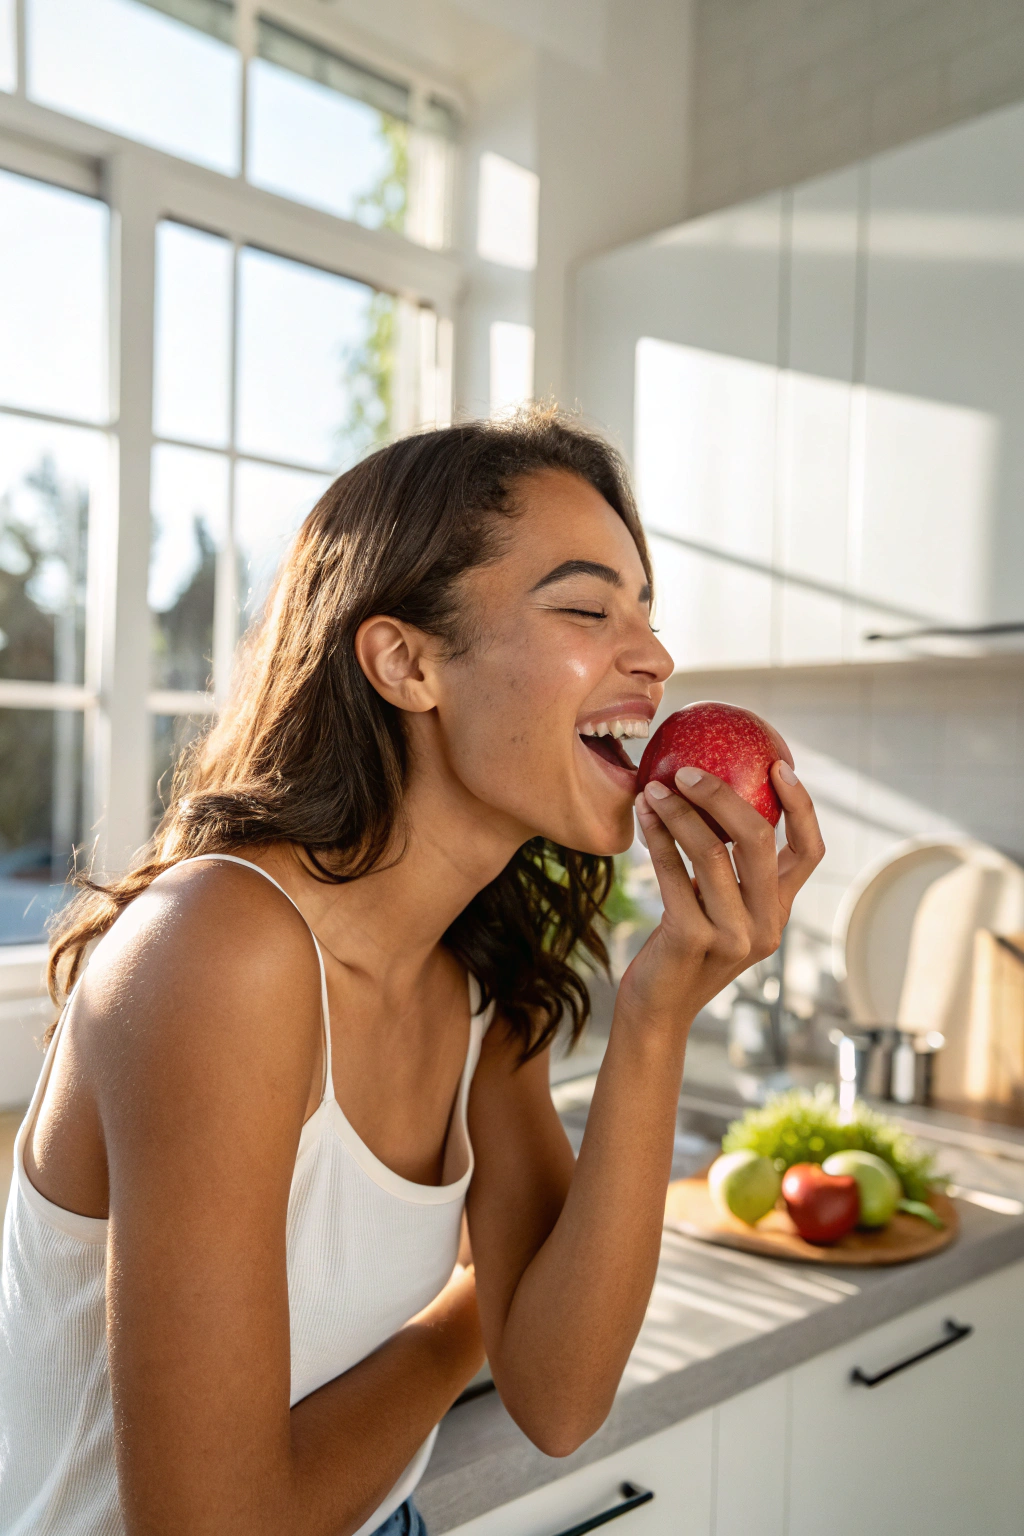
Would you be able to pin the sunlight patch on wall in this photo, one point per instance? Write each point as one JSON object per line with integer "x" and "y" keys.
{"x": 507, "y": 214}
{"x": 511, "y": 366}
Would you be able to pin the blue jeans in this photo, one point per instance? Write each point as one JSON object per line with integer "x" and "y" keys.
{"x": 406, "y": 1521}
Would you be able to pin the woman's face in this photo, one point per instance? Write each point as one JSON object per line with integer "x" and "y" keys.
{"x": 562, "y": 649}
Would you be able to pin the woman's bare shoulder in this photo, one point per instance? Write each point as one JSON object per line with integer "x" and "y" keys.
{"x": 210, "y": 960}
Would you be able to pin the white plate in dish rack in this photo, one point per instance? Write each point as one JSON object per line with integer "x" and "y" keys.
{"x": 904, "y": 931}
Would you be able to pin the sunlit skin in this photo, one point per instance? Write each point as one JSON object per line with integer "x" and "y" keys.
{"x": 193, "y": 1055}
{"x": 497, "y": 729}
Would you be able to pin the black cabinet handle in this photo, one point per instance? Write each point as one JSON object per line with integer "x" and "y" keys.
{"x": 631, "y": 1498}
{"x": 954, "y": 1333}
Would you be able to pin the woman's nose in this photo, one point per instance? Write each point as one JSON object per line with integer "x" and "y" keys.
{"x": 649, "y": 659}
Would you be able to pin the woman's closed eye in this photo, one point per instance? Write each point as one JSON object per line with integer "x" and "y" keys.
{"x": 584, "y": 613}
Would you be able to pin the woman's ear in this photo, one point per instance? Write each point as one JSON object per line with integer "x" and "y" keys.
{"x": 396, "y": 660}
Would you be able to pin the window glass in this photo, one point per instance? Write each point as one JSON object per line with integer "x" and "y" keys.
{"x": 190, "y": 513}
{"x": 193, "y": 335}
{"x": 270, "y": 504}
{"x": 166, "y": 74}
{"x": 40, "y": 816}
{"x": 8, "y": 47}
{"x": 48, "y": 477}
{"x": 326, "y": 132}
{"x": 53, "y": 299}
{"x": 171, "y": 735}
{"x": 315, "y": 363}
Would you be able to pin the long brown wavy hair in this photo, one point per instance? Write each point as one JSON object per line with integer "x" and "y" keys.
{"x": 306, "y": 751}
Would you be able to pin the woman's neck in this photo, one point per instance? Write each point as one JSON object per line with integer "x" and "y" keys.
{"x": 388, "y": 924}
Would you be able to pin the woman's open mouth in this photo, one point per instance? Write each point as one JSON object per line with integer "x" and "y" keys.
{"x": 604, "y": 741}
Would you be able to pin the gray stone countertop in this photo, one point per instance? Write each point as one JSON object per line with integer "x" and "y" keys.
{"x": 721, "y": 1321}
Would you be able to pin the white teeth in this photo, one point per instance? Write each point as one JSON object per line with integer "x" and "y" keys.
{"x": 618, "y": 728}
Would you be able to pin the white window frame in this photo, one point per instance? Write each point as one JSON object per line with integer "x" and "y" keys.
{"x": 143, "y": 186}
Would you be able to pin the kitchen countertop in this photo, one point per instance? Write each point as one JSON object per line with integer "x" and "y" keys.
{"x": 721, "y": 1321}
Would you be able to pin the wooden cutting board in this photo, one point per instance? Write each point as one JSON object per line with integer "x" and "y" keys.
{"x": 690, "y": 1209}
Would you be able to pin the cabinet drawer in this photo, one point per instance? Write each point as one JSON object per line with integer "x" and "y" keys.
{"x": 675, "y": 1465}
{"x": 892, "y": 1433}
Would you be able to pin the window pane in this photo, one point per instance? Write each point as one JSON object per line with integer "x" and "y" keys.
{"x": 193, "y": 335}
{"x": 269, "y": 506}
{"x": 40, "y": 816}
{"x": 171, "y": 735}
{"x": 140, "y": 72}
{"x": 315, "y": 363}
{"x": 189, "y": 504}
{"x": 48, "y": 477}
{"x": 8, "y": 49}
{"x": 53, "y": 299}
{"x": 327, "y": 133}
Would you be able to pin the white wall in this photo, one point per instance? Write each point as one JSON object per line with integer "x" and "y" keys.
{"x": 613, "y": 158}
{"x": 604, "y": 123}
{"x": 786, "y": 89}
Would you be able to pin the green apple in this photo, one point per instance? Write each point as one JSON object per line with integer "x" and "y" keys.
{"x": 744, "y": 1185}
{"x": 877, "y": 1183}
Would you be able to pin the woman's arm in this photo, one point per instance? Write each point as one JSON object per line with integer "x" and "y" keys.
{"x": 207, "y": 1038}
{"x": 565, "y": 1257}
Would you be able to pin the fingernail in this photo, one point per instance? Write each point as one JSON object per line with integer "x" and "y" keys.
{"x": 640, "y": 832}
{"x": 689, "y": 777}
{"x": 787, "y": 775}
{"x": 657, "y": 791}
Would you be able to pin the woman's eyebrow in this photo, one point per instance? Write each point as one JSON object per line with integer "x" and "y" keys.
{"x": 580, "y": 568}
{"x": 589, "y": 568}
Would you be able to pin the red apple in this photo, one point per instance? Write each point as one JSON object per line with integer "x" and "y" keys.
{"x": 732, "y": 743}
{"x": 823, "y": 1206}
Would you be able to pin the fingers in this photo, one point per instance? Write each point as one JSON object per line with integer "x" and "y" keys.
{"x": 804, "y": 848}
{"x": 748, "y": 913}
{"x": 756, "y": 895}
{"x": 677, "y": 893}
{"x": 719, "y": 892}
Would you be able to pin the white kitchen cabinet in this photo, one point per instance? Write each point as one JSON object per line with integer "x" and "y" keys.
{"x": 675, "y": 1465}
{"x": 709, "y": 613}
{"x": 815, "y": 417}
{"x": 941, "y": 536}
{"x": 937, "y": 1449}
{"x": 751, "y": 1454}
{"x": 677, "y": 356}
{"x": 823, "y": 395}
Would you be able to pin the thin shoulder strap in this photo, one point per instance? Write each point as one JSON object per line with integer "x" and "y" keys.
{"x": 325, "y": 1012}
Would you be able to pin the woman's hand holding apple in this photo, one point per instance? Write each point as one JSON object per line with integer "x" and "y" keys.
{"x": 725, "y": 919}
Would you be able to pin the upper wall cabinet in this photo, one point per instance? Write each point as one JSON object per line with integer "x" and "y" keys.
{"x": 822, "y": 394}
{"x": 942, "y": 530}
{"x": 678, "y": 356}
{"x": 816, "y": 412}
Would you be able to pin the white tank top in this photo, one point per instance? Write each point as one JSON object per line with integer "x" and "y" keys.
{"x": 366, "y": 1251}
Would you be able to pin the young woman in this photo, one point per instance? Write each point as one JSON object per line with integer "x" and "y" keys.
{"x": 315, "y": 1025}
